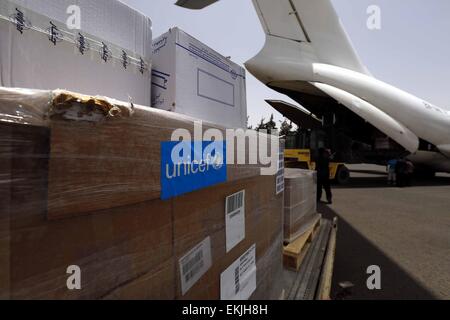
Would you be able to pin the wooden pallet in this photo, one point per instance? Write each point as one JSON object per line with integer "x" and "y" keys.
{"x": 294, "y": 252}
{"x": 308, "y": 277}
{"x": 324, "y": 290}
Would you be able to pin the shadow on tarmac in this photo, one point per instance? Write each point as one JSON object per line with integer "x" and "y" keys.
{"x": 354, "y": 254}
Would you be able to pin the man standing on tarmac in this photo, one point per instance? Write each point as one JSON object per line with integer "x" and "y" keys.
{"x": 400, "y": 170}
{"x": 323, "y": 175}
{"x": 392, "y": 175}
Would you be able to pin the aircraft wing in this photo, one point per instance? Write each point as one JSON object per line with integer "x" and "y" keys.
{"x": 300, "y": 117}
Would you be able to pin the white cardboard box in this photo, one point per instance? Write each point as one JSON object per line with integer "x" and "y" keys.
{"x": 109, "y": 55}
{"x": 190, "y": 78}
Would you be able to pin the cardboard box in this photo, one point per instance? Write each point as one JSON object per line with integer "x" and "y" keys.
{"x": 300, "y": 204}
{"x": 111, "y": 247}
{"x": 99, "y": 161}
{"x": 190, "y": 78}
{"x": 202, "y": 215}
{"x": 110, "y": 55}
{"x": 76, "y": 193}
{"x": 133, "y": 252}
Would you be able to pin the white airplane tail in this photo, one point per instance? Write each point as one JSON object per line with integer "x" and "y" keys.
{"x": 312, "y": 24}
{"x": 315, "y": 28}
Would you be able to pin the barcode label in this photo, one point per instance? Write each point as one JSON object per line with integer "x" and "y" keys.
{"x": 235, "y": 202}
{"x": 235, "y": 219}
{"x": 238, "y": 282}
{"x": 280, "y": 188}
{"x": 237, "y": 286}
{"x": 280, "y": 178}
{"x": 195, "y": 264}
{"x": 279, "y": 184}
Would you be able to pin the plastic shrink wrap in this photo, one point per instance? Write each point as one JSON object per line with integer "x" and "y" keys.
{"x": 95, "y": 47}
{"x": 80, "y": 186}
{"x": 300, "y": 206}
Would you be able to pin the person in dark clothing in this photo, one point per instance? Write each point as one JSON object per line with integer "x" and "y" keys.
{"x": 401, "y": 171}
{"x": 409, "y": 173}
{"x": 323, "y": 175}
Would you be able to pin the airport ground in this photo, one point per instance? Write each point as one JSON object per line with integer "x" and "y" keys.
{"x": 404, "y": 231}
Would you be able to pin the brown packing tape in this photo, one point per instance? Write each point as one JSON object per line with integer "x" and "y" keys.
{"x": 64, "y": 101}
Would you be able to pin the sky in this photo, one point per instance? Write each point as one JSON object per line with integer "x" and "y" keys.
{"x": 411, "y": 51}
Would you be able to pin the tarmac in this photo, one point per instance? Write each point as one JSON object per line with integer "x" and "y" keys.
{"x": 404, "y": 231}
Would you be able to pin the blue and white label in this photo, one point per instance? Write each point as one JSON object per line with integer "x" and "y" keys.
{"x": 188, "y": 166}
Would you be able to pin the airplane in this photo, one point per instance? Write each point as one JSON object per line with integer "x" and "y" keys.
{"x": 309, "y": 57}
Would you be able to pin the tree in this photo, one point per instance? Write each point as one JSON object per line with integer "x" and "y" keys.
{"x": 271, "y": 125}
{"x": 261, "y": 125}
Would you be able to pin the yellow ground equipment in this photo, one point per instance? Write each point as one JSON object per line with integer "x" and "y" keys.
{"x": 301, "y": 158}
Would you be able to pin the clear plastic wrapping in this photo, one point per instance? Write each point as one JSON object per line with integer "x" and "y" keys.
{"x": 95, "y": 47}
{"x": 300, "y": 201}
{"x": 80, "y": 186}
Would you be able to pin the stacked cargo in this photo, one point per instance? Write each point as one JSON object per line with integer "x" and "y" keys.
{"x": 189, "y": 77}
{"x": 82, "y": 177}
{"x": 89, "y": 183}
{"x": 100, "y": 47}
{"x": 301, "y": 220}
{"x": 300, "y": 205}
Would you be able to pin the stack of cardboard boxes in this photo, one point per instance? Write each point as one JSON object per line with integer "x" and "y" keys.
{"x": 300, "y": 206}
{"x": 85, "y": 192}
{"x": 83, "y": 178}
{"x": 99, "y": 47}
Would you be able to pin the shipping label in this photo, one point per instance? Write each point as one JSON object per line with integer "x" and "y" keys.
{"x": 238, "y": 282}
{"x": 195, "y": 264}
{"x": 280, "y": 174}
{"x": 235, "y": 219}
